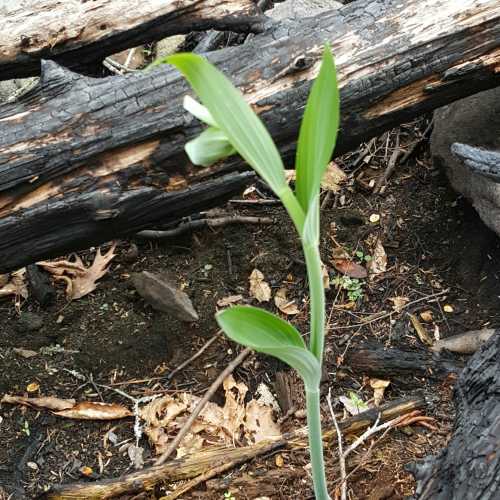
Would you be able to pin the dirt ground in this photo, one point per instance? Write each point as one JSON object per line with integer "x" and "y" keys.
{"x": 434, "y": 243}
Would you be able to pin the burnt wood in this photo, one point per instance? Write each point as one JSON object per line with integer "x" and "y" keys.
{"x": 86, "y": 160}
{"x": 79, "y": 33}
{"x": 469, "y": 467}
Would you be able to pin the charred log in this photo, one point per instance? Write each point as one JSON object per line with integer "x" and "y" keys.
{"x": 77, "y": 34}
{"x": 469, "y": 467}
{"x": 85, "y": 160}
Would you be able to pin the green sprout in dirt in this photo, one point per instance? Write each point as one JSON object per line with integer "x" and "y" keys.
{"x": 353, "y": 287}
{"x": 234, "y": 128}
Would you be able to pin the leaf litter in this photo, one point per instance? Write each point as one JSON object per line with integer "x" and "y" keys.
{"x": 234, "y": 424}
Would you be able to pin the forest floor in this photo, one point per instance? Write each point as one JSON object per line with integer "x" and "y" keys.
{"x": 440, "y": 262}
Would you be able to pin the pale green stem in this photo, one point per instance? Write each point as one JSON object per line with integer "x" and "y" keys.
{"x": 316, "y": 445}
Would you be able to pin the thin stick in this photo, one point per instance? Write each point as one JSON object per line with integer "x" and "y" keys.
{"x": 204, "y": 400}
{"x": 424, "y": 137}
{"x": 390, "y": 313}
{"x": 343, "y": 477}
{"x": 255, "y": 202}
{"x": 196, "y": 224}
{"x": 196, "y": 355}
{"x": 391, "y": 166}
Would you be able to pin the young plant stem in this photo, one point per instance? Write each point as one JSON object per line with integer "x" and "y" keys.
{"x": 316, "y": 300}
{"x": 316, "y": 444}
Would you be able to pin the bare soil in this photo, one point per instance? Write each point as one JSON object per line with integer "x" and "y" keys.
{"x": 434, "y": 242}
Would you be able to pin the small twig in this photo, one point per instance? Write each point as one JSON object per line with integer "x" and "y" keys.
{"x": 256, "y": 202}
{"x": 196, "y": 355}
{"x": 116, "y": 67}
{"x": 391, "y": 166}
{"x": 390, "y": 313}
{"x": 424, "y": 137}
{"x": 196, "y": 224}
{"x": 343, "y": 477}
{"x": 204, "y": 400}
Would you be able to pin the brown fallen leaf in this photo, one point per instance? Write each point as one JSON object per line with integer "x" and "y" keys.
{"x": 422, "y": 333}
{"x": 80, "y": 280}
{"x": 399, "y": 303}
{"x": 259, "y": 422}
{"x": 378, "y": 386}
{"x": 33, "y": 387}
{"x": 288, "y": 307}
{"x": 378, "y": 263}
{"x": 44, "y": 403}
{"x": 350, "y": 268}
{"x": 14, "y": 284}
{"x": 333, "y": 177}
{"x": 230, "y": 300}
{"x": 426, "y": 316}
{"x": 90, "y": 410}
{"x": 259, "y": 288}
{"x": 25, "y": 353}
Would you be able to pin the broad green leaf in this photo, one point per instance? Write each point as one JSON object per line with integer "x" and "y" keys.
{"x": 267, "y": 333}
{"x": 318, "y": 131}
{"x": 234, "y": 117}
{"x": 199, "y": 111}
{"x": 210, "y": 146}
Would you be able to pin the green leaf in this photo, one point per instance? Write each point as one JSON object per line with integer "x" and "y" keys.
{"x": 210, "y": 146}
{"x": 267, "y": 333}
{"x": 234, "y": 117}
{"x": 318, "y": 131}
{"x": 198, "y": 110}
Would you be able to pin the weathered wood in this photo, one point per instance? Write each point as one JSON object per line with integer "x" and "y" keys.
{"x": 192, "y": 465}
{"x": 469, "y": 467}
{"x": 84, "y": 160}
{"x": 406, "y": 364}
{"x": 78, "y": 33}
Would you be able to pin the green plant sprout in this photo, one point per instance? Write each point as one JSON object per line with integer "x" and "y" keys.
{"x": 234, "y": 128}
{"x": 353, "y": 286}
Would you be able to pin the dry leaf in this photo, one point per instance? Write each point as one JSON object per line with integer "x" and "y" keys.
{"x": 14, "y": 285}
{"x": 25, "y": 353}
{"x": 353, "y": 404}
{"x": 325, "y": 276}
{"x": 227, "y": 301}
{"x": 288, "y": 307}
{"x": 447, "y": 308}
{"x": 259, "y": 423}
{"x": 378, "y": 386}
{"x": 333, "y": 177}
{"x": 4, "y": 279}
{"x": 374, "y": 218}
{"x": 89, "y": 410}
{"x": 33, "y": 387}
{"x": 80, "y": 280}
{"x": 226, "y": 425}
{"x": 350, "y": 268}
{"x": 421, "y": 331}
{"x": 259, "y": 288}
{"x": 426, "y": 316}
{"x": 86, "y": 471}
{"x": 279, "y": 461}
{"x": 378, "y": 262}
{"x": 399, "y": 303}
{"x": 46, "y": 403}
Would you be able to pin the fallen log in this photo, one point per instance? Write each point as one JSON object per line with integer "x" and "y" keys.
{"x": 85, "y": 160}
{"x": 78, "y": 34}
{"x": 469, "y": 467}
{"x": 406, "y": 364}
{"x": 196, "y": 464}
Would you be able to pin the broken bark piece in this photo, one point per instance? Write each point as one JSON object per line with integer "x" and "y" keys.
{"x": 78, "y": 33}
{"x": 163, "y": 295}
{"x": 83, "y": 160}
{"x": 465, "y": 343}
{"x": 40, "y": 286}
{"x": 469, "y": 467}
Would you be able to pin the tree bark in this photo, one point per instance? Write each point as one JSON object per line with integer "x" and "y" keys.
{"x": 85, "y": 160}
{"x": 469, "y": 467}
{"x": 78, "y": 33}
